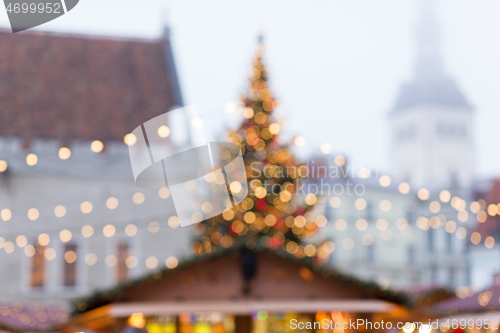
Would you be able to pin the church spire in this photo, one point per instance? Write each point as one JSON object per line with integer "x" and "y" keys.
{"x": 429, "y": 63}
{"x": 430, "y": 84}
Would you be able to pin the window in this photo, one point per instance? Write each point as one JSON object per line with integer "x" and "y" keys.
{"x": 370, "y": 257}
{"x": 451, "y": 130}
{"x": 449, "y": 242}
{"x": 410, "y": 213}
{"x": 430, "y": 239}
{"x": 329, "y": 212}
{"x": 434, "y": 274}
{"x": 69, "y": 265}
{"x": 411, "y": 255}
{"x": 37, "y": 273}
{"x": 369, "y": 212}
{"x": 406, "y": 134}
{"x": 122, "y": 269}
{"x": 451, "y": 276}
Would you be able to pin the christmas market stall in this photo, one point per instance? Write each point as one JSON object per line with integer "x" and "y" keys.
{"x": 237, "y": 290}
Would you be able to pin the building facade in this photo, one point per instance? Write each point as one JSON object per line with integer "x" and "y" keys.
{"x": 396, "y": 235}
{"x": 432, "y": 123}
{"x": 73, "y": 220}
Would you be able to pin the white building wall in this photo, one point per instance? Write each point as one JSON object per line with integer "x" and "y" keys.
{"x": 425, "y": 154}
{"x": 86, "y": 176}
{"x": 392, "y": 261}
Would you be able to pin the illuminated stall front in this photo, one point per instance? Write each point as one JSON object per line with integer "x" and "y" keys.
{"x": 239, "y": 291}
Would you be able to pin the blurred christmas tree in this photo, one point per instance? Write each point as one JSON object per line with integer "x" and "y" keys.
{"x": 274, "y": 214}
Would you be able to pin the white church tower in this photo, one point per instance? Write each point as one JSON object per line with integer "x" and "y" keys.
{"x": 432, "y": 121}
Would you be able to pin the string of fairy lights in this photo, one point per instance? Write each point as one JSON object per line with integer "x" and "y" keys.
{"x": 109, "y": 230}
{"x": 476, "y": 207}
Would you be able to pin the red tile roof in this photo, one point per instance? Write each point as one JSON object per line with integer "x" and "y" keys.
{"x": 73, "y": 87}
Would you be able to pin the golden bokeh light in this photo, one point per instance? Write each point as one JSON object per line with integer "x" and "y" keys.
{"x": 385, "y": 181}
{"x": 339, "y": 160}
{"x": 382, "y": 224}
{"x": 310, "y": 199}
{"x": 60, "y": 211}
{"x": 138, "y": 198}
{"x": 445, "y": 196}
{"x": 461, "y": 233}
{"x": 326, "y": 148}
{"x": 130, "y": 139}
{"x": 207, "y": 207}
{"x": 9, "y": 247}
{"x": 31, "y": 159}
{"x": 235, "y": 186}
{"x": 360, "y": 204}
{"x": 367, "y": 239}
{"x": 33, "y": 214}
{"x": 171, "y": 262}
{"x": 43, "y": 239}
{"x": 275, "y": 128}
{"x": 49, "y": 254}
{"x": 164, "y": 192}
{"x": 70, "y": 257}
{"x": 29, "y": 251}
{"x": 21, "y": 241}
{"x": 340, "y": 224}
{"x": 153, "y": 227}
{"x": 163, "y": 131}
{"x": 137, "y": 320}
{"x": 131, "y": 230}
{"x": 463, "y": 216}
{"x": 248, "y": 113}
{"x": 260, "y": 192}
{"x": 385, "y": 205}
{"x": 335, "y": 202}
{"x": 109, "y": 230}
{"x": 111, "y": 260}
{"x": 173, "y": 222}
{"x": 96, "y": 146}
{"x": 5, "y": 214}
{"x": 361, "y": 224}
{"x": 489, "y": 242}
{"x": 65, "y": 236}
{"x": 492, "y": 210}
{"x": 300, "y": 141}
{"x": 434, "y": 207}
{"x": 197, "y": 122}
{"x": 450, "y": 227}
{"x": 151, "y": 262}
{"x": 3, "y": 165}
{"x": 482, "y": 216}
{"x": 86, "y": 207}
{"x": 404, "y": 188}
{"x": 87, "y": 231}
{"x": 131, "y": 262}
{"x": 423, "y": 194}
{"x": 90, "y": 259}
{"x": 64, "y": 153}
{"x": 475, "y": 238}
{"x": 309, "y": 250}
{"x": 112, "y": 203}
{"x": 364, "y": 173}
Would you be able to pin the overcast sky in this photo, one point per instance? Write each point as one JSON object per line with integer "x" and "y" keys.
{"x": 336, "y": 65}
